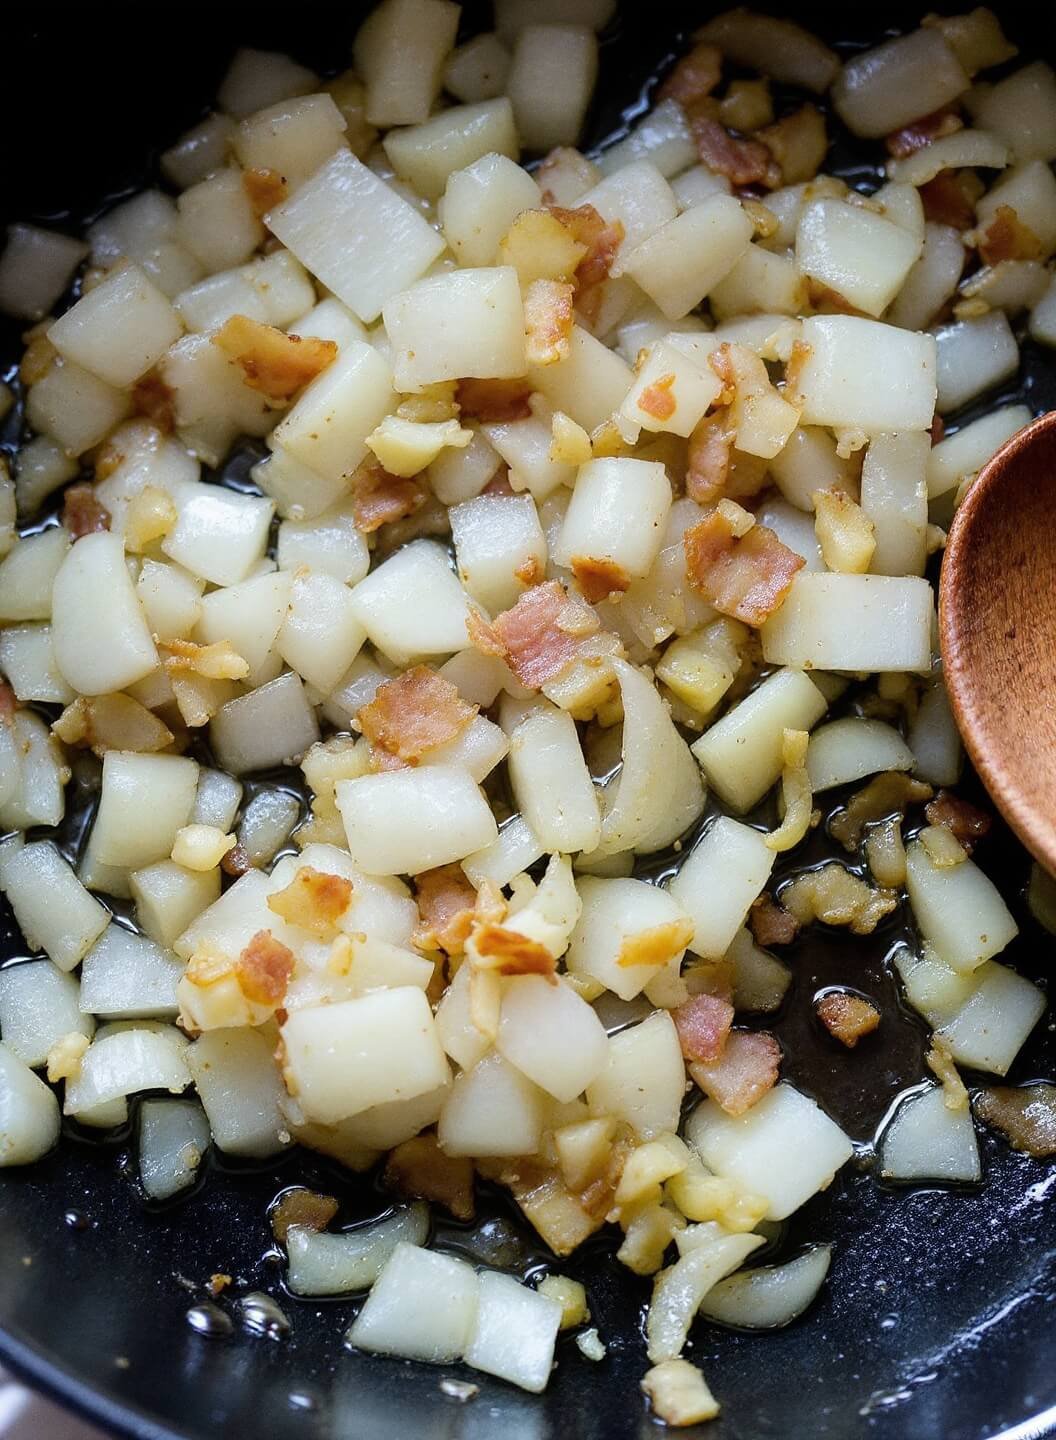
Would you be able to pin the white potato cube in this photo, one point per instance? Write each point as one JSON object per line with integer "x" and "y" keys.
{"x": 589, "y": 385}
{"x": 852, "y": 622}
{"x": 98, "y": 631}
{"x": 761, "y": 281}
{"x": 299, "y": 492}
{"x": 459, "y": 324}
{"x": 241, "y": 1091}
{"x": 662, "y": 136}
{"x": 622, "y": 918}
{"x": 894, "y": 496}
{"x": 718, "y": 882}
{"x": 272, "y": 725}
{"x": 256, "y": 78}
{"x": 973, "y": 356}
{"x": 329, "y": 543}
{"x": 671, "y": 392}
{"x": 212, "y": 405}
{"x": 356, "y": 235}
{"x": 481, "y": 202}
{"x": 28, "y": 661}
{"x": 292, "y": 137}
{"x": 27, "y": 575}
{"x": 679, "y": 264}
{"x": 1029, "y": 190}
{"x": 990, "y": 1028}
{"x": 493, "y": 1109}
{"x": 412, "y": 604}
{"x": 422, "y": 1306}
{"x": 400, "y": 52}
{"x": 35, "y": 269}
{"x": 882, "y": 89}
{"x": 865, "y": 376}
{"x": 477, "y": 70}
{"x": 168, "y": 898}
{"x": 515, "y": 1332}
{"x": 426, "y": 155}
{"x": 217, "y": 223}
{"x": 220, "y": 534}
{"x": 638, "y": 197}
{"x": 327, "y": 428}
{"x": 932, "y": 280}
{"x": 966, "y": 452}
{"x": 128, "y": 977}
{"x": 29, "y": 1112}
{"x": 959, "y": 910}
{"x": 202, "y": 149}
{"x": 550, "y": 780}
{"x": 525, "y": 445}
{"x": 926, "y": 1140}
{"x": 1022, "y": 110}
{"x": 144, "y": 800}
{"x": 618, "y": 512}
{"x": 644, "y": 1078}
{"x": 499, "y": 545}
{"x": 119, "y": 329}
{"x": 341, "y": 1059}
{"x": 171, "y": 598}
{"x": 39, "y": 1004}
{"x": 550, "y": 82}
{"x": 40, "y": 775}
{"x": 75, "y": 407}
{"x": 54, "y": 911}
{"x": 401, "y": 822}
{"x": 741, "y": 754}
{"x": 862, "y": 256}
{"x": 249, "y": 616}
{"x": 551, "y": 1035}
{"x": 321, "y": 635}
{"x": 784, "y": 1148}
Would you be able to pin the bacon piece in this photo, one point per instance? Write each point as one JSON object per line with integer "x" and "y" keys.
{"x": 1026, "y": 1114}
{"x": 416, "y": 712}
{"x": 708, "y": 458}
{"x": 494, "y": 400}
{"x": 747, "y": 578}
{"x": 694, "y": 77}
{"x": 924, "y": 131}
{"x": 530, "y": 636}
{"x": 703, "y": 1024}
{"x": 968, "y": 823}
{"x": 236, "y": 862}
{"x": 548, "y": 319}
{"x": 272, "y": 362}
{"x": 747, "y": 1071}
{"x": 419, "y": 1169}
{"x": 847, "y": 1017}
{"x": 770, "y": 923}
{"x": 264, "y": 969}
{"x": 301, "y": 1207}
{"x": 447, "y": 905}
{"x": 946, "y": 201}
{"x": 264, "y": 189}
{"x": 601, "y": 237}
{"x": 510, "y": 953}
{"x": 82, "y": 513}
{"x": 1007, "y": 238}
{"x": 657, "y": 400}
{"x": 156, "y": 400}
{"x": 8, "y": 704}
{"x": 743, "y": 162}
{"x": 314, "y": 899}
{"x": 937, "y": 430}
{"x": 379, "y": 498}
{"x": 598, "y": 579}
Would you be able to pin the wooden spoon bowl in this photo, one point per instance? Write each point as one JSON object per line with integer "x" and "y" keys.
{"x": 997, "y": 623}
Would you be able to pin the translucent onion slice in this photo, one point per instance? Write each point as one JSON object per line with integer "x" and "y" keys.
{"x": 679, "y": 1290}
{"x": 340, "y": 1264}
{"x": 125, "y": 1061}
{"x": 770, "y": 1295}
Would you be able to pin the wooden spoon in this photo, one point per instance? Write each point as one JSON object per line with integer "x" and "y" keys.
{"x": 997, "y": 623}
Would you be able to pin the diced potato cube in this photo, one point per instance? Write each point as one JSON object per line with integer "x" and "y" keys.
{"x": 401, "y": 822}
{"x": 718, "y": 882}
{"x": 550, "y": 83}
{"x": 292, "y": 137}
{"x": 426, "y": 155}
{"x": 864, "y": 376}
{"x": 617, "y": 515}
{"x": 481, "y": 202}
{"x": 852, "y": 622}
{"x": 678, "y": 265}
{"x": 862, "y": 256}
{"x": 466, "y": 323}
{"x": 412, "y": 604}
{"x": 217, "y": 223}
{"x": 327, "y": 428}
{"x": 99, "y": 633}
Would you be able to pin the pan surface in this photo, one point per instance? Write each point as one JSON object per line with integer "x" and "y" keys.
{"x": 935, "y": 1321}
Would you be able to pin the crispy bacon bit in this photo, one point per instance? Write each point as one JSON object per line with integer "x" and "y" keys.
{"x": 419, "y": 1169}
{"x": 747, "y": 578}
{"x": 219, "y": 661}
{"x": 314, "y": 900}
{"x": 1025, "y": 1114}
{"x": 8, "y": 705}
{"x": 847, "y": 1017}
{"x": 835, "y": 896}
{"x": 495, "y": 401}
{"x": 747, "y": 1071}
{"x": 703, "y": 1023}
{"x": 657, "y": 945}
{"x": 416, "y": 712}
{"x": 1007, "y": 238}
{"x": 694, "y": 77}
{"x": 770, "y": 923}
{"x": 743, "y": 162}
{"x": 218, "y": 1283}
{"x": 947, "y": 200}
{"x": 530, "y": 572}
{"x": 708, "y": 458}
{"x": 82, "y": 513}
{"x": 888, "y": 794}
{"x": 968, "y": 823}
{"x": 379, "y": 498}
{"x": 924, "y": 131}
{"x": 276, "y": 364}
{"x": 446, "y": 903}
{"x": 156, "y": 400}
{"x": 301, "y": 1207}
{"x": 548, "y": 319}
{"x": 937, "y": 430}
{"x": 657, "y": 400}
{"x": 598, "y": 579}
{"x": 264, "y": 969}
{"x": 601, "y": 237}
{"x": 264, "y": 189}
{"x": 529, "y": 636}
{"x": 510, "y": 953}
{"x": 236, "y": 862}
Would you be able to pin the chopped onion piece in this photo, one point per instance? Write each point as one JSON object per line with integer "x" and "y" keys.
{"x": 339, "y": 1264}
{"x": 770, "y": 1295}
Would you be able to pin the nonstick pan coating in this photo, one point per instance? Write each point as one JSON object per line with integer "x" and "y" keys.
{"x": 936, "y": 1319}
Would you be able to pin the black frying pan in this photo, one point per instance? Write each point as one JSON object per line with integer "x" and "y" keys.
{"x": 935, "y": 1321}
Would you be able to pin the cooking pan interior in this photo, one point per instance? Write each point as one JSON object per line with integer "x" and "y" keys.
{"x": 935, "y": 1319}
